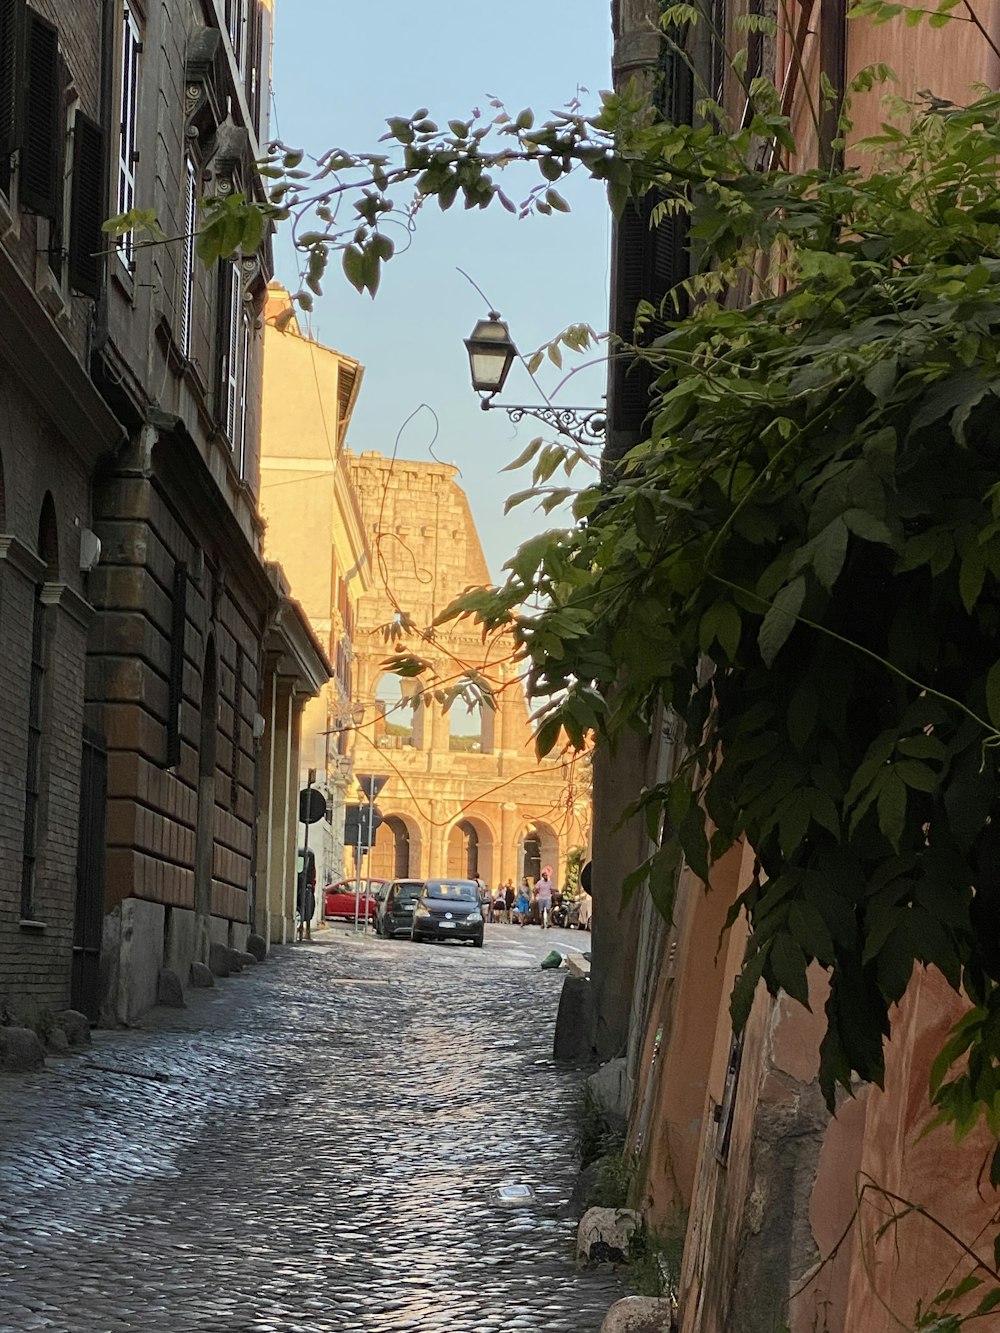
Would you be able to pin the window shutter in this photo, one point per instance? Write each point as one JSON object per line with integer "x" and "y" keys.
{"x": 12, "y": 15}
{"x": 39, "y": 175}
{"x": 223, "y": 322}
{"x": 86, "y": 240}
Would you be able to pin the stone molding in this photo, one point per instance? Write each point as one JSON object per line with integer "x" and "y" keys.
{"x": 70, "y": 601}
{"x": 22, "y": 558}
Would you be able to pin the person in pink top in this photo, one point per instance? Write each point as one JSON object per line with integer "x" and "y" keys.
{"x": 544, "y": 891}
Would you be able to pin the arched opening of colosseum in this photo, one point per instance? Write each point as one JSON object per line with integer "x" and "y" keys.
{"x": 398, "y": 723}
{"x": 396, "y": 854}
{"x": 539, "y": 846}
{"x": 470, "y": 850}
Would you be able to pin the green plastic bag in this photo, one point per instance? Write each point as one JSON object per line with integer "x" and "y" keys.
{"x": 552, "y": 959}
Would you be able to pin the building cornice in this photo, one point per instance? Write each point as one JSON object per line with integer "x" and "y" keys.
{"x": 69, "y": 601}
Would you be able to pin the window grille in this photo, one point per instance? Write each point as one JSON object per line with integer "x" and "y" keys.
{"x": 188, "y": 258}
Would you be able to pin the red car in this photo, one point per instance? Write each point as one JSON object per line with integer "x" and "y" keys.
{"x": 338, "y": 899}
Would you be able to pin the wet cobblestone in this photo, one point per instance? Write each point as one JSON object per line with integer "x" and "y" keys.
{"x": 313, "y": 1145}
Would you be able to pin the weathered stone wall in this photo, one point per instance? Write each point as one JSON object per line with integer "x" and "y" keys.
{"x": 427, "y": 551}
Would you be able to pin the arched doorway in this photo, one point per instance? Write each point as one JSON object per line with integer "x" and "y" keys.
{"x": 470, "y": 849}
{"x": 396, "y": 852}
{"x": 539, "y": 847}
{"x": 463, "y": 851}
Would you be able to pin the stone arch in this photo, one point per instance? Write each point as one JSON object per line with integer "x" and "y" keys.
{"x": 396, "y": 854}
{"x": 538, "y": 846}
{"x": 48, "y": 538}
{"x": 471, "y": 730}
{"x": 471, "y": 849}
{"x": 398, "y": 723}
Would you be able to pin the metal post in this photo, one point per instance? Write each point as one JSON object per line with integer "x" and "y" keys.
{"x": 357, "y": 875}
{"x": 371, "y": 830}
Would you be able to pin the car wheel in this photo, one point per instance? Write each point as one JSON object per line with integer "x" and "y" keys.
{"x": 478, "y": 943}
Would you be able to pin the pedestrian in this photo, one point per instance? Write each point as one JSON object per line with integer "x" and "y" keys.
{"x": 544, "y": 891}
{"x": 497, "y": 906}
{"x": 484, "y": 896}
{"x": 509, "y": 898}
{"x": 523, "y": 902}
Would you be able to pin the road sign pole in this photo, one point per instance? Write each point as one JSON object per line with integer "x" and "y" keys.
{"x": 357, "y": 879}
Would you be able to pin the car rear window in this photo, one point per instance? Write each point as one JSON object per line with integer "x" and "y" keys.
{"x": 405, "y": 893}
{"x": 442, "y": 888}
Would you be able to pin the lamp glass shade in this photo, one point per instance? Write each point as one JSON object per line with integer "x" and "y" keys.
{"x": 491, "y": 354}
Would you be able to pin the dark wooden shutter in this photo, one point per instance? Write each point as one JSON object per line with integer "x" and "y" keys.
{"x": 41, "y": 153}
{"x": 12, "y": 31}
{"x": 178, "y": 626}
{"x": 649, "y": 263}
{"x": 86, "y": 240}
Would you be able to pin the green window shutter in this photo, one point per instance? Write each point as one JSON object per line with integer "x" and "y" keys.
{"x": 12, "y": 35}
{"x": 86, "y": 240}
{"x": 42, "y": 143}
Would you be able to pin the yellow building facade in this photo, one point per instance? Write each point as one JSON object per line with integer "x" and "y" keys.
{"x": 316, "y": 532}
{"x": 464, "y": 792}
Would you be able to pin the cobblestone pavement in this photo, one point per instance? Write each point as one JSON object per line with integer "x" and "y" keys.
{"x": 310, "y": 1146}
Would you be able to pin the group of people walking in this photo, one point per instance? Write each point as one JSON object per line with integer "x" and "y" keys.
{"x": 530, "y": 904}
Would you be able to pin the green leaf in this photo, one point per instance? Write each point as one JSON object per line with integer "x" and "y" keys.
{"x": 829, "y": 550}
{"x": 721, "y": 624}
{"x": 892, "y": 808}
{"x": 971, "y": 575}
{"x": 802, "y": 713}
{"x": 779, "y": 621}
{"x": 788, "y": 967}
{"x": 868, "y": 526}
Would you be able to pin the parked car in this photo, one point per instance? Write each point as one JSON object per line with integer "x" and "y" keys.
{"x": 448, "y": 909}
{"x": 338, "y": 899}
{"x": 394, "y": 914}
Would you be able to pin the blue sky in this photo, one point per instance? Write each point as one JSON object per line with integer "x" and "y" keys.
{"x": 336, "y": 77}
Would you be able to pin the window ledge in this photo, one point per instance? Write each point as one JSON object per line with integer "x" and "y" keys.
{"x": 26, "y": 923}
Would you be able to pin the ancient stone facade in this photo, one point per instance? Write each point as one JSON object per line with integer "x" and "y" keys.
{"x": 465, "y": 793}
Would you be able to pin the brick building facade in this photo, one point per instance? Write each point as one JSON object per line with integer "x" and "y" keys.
{"x": 134, "y": 601}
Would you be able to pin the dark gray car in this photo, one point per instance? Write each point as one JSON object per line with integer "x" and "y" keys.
{"x": 394, "y": 915}
{"x": 448, "y": 909}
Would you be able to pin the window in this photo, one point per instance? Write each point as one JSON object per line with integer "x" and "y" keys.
{"x": 32, "y": 780}
{"x": 236, "y": 24}
{"x": 40, "y": 182}
{"x": 128, "y": 148}
{"x": 188, "y": 259}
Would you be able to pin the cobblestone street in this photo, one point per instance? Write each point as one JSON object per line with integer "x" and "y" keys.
{"x": 311, "y": 1145}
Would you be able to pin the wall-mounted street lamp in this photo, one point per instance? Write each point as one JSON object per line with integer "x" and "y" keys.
{"x": 491, "y": 355}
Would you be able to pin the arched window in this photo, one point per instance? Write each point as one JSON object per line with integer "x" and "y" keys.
{"x": 393, "y": 715}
